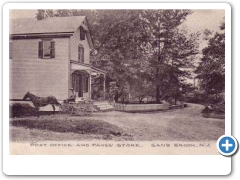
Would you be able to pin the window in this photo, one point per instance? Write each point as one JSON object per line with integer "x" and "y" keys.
{"x": 10, "y": 50}
{"x": 46, "y": 49}
{"x": 82, "y": 33}
{"x": 85, "y": 83}
{"x": 80, "y": 53}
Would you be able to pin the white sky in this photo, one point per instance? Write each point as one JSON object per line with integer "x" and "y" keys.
{"x": 14, "y": 14}
{"x": 200, "y": 20}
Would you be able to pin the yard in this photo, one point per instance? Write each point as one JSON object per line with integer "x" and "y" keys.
{"x": 172, "y": 125}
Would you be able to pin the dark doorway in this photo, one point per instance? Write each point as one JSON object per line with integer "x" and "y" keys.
{"x": 80, "y": 91}
{"x": 80, "y": 82}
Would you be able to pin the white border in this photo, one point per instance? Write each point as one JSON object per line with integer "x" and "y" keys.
{"x": 114, "y": 165}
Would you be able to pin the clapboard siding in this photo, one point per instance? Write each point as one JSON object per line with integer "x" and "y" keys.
{"x": 74, "y": 42}
{"x": 42, "y": 77}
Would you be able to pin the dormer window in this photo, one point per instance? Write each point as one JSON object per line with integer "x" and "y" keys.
{"x": 46, "y": 49}
{"x": 82, "y": 33}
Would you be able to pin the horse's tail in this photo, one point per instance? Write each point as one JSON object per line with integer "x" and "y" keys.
{"x": 58, "y": 104}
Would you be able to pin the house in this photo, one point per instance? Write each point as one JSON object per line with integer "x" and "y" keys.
{"x": 48, "y": 56}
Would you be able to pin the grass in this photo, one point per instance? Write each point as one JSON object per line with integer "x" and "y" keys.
{"x": 71, "y": 126}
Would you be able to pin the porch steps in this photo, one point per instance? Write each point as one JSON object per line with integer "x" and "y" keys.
{"x": 103, "y": 106}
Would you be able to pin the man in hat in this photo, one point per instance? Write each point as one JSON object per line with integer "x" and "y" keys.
{"x": 73, "y": 96}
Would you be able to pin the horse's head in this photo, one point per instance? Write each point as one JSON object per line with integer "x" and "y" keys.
{"x": 26, "y": 96}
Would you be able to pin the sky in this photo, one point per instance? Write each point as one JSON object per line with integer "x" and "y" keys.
{"x": 200, "y": 20}
{"x": 15, "y": 14}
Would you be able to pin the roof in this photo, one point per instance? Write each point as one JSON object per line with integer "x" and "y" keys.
{"x": 46, "y": 25}
{"x": 88, "y": 66}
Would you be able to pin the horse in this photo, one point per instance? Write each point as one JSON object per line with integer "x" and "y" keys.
{"x": 41, "y": 101}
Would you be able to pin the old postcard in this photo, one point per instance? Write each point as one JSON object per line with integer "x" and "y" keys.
{"x": 107, "y": 81}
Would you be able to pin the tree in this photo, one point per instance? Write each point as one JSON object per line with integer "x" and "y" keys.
{"x": 170, "y": 50}
{"x": 211, "y": 69}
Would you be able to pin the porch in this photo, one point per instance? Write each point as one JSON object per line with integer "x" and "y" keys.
{"x": 81, "y": 79}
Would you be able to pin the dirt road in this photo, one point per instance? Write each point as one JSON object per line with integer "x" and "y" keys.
{"x": 179, "y": 124}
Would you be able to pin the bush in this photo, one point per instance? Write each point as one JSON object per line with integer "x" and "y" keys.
{"x": 21, "y": 110}
{"x": 214, "y": 111}
{"x": 203, "y": 98}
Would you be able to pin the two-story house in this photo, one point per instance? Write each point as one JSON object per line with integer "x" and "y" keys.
{"x": 48, "y": 56}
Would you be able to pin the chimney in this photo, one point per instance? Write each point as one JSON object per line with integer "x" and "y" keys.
{"x": 40, "y": 14}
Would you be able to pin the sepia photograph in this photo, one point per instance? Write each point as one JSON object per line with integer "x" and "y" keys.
{"x": 116, "y": 81}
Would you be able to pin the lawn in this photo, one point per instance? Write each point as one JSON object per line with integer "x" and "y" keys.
{"x": 186, "y": 124}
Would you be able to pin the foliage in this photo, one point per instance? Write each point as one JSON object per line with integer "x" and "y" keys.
{"x": 113, "y": 92}
{"x": 20, "y": 109}
{"x": 97, "y": 87}
{"x": 140, "y": 89}
{"x": 170, "y": 50}
{"x": 216, "y": 110}
{"x": 211, "y": 70}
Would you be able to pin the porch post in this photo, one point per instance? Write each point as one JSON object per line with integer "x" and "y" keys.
{"x": 90, "y": 85}
{"x": 104, "y": 88}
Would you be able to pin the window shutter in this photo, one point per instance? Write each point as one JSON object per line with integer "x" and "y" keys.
{"x": 52, "y": 49}
{"x": 82, "y": 33}
{"x": 79, "y": 53}
{"x": 40, "y": 49}
{"x": 82, "y": 54}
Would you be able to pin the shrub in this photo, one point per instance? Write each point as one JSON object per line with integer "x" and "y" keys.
{"x": 21, "y": 110}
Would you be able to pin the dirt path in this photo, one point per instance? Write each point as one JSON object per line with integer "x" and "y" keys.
{"x": 180, "y": 124}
